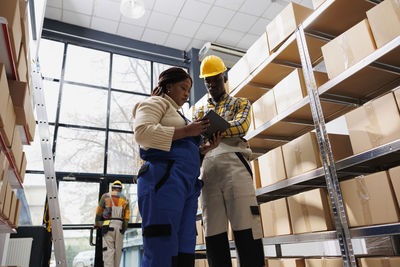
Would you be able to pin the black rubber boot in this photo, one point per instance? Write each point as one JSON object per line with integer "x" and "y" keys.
{"x": 218, "y": 251}
{"x": 185, "y": 260}
{"x": 250, "y": 251}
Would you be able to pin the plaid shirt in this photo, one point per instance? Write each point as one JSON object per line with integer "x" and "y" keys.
{"x": 103, "y": 211}
{"x": 234, "y": 110}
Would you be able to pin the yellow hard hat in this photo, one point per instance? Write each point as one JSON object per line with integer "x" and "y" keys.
{"x": 116, "y": 184}
{"x": 211, "y": 66}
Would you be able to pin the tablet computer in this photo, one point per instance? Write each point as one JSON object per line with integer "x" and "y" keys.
{"x": 217, "y": 123}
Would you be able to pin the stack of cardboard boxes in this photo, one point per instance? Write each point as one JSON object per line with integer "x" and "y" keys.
{"x": 17, "y": 122}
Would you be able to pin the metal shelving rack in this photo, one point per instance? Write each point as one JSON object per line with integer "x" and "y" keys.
{"x": 376, "y": 74}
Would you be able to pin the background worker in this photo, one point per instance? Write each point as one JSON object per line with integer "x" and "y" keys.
{"x": 112, "y": 216}
{"x": 228, "y": 191}
{"x": 168, "y": 184}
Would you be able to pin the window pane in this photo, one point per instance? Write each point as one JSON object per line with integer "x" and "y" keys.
{"x": 157, "y": 69}
{"x": 78, "y": 251}
{"x": 51, "y": 90}
{"x": 35, "y": 194}
{"x": 80, "y": 150}
{"x": 78, "y": 202}
{"x": 131, "y": 74}
{"x": 121, "y": 154}
{"x": 83, "y": 106}
{"x": 87, "y": 66}
{"x": 33, "y": 152}
{"x": 121, "y": 110}
{"x": 130, "y": 191}
{"x": 50, "y": 58}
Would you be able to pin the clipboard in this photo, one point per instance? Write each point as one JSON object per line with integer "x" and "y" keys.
{"x": 217, "y": 123}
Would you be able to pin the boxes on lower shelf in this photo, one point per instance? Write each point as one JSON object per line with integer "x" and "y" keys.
{"x": 7, "y": 119}
{"x": 379, "y": 17}
{"x": 324, "y": 262}
{"x": 364, "y": 202}
{"x": 16, "y": 150}
{"x": 285, "y": 23}
{"x": 292, "y": 89}
{"x": 201, "y": 263}
{"x": 295, "y": 262}
{"x": 4, "y": 165}
{"x": 394, "y": 174}
{"x": 302, "y": 154}
{"x": 373, "y": 124}
{"x": 7, "y": 202}
{"x": 272, "y": 167}
{"x": 264, "y": 109}
{"x": 348, "y": 48}
{"x": 310, "y": 212}
{"x": 379, "y": 262}
{"x": 275, "y": 218}
{"x": 3, "y": 193}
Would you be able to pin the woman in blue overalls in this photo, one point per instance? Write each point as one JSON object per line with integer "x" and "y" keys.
{"x": 168, "y": 185}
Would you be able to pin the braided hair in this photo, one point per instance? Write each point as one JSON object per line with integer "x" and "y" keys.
{"x": 171, "y": 75}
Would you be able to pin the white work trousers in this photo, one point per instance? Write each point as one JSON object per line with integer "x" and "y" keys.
{"x": 228, "y": 193}
{"x": 112, "y": 245}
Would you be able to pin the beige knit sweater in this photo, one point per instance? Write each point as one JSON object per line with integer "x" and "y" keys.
{"x": 155, "y": 120}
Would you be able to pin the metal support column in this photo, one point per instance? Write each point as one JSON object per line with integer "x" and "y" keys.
{"x": 335, "y": 196}
{"x": 48, "y": 164}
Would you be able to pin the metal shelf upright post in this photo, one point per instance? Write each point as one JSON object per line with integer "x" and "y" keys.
{"x": 332, "y": 182}
{"x": 48, "y": 165}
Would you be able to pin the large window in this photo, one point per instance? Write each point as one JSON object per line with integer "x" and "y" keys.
{"x": 89, "y": 97}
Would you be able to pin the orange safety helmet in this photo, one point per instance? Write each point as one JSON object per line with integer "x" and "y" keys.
{"x": 211, "y": 66}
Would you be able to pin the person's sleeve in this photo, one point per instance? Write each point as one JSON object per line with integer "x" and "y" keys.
{"x": 99, "y": 211}
{"x": 127, "y": 214}
{"x": 241, "y": 121}
{"x": 147, "y": 128}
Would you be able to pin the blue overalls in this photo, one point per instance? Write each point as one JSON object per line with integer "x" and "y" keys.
{"x": 168, "y": 189}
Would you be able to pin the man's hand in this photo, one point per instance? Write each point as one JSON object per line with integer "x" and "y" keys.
{"x": 211, "y": 144}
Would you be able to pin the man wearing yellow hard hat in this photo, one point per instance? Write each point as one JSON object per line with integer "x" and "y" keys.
{"x": 228, "y": 192}
{"x": 112, "y": 216}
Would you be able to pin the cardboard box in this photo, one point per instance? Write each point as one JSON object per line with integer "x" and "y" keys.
{"x": 317, "y": 3}
{"x": 22, "y": 169}
{"x": 31, "y": 126}
{"x": 3, "y": 159}
{"x": 382, "y": 15}
{"x": 397, "y": 97}
{"x": 200, "y": 234}
{"x": 324, "y": 262}
{"x": 275, "y": 218}
{"x": 7, "y": 202}
{"x": 264, "y": 109}
{"x": 258, "y": 52}
{"x": 394, "y": 174}
{"x": 374, "y": 124}
{"x": 302, "y": 154}
{"x": 363, "y": 201}
{"x": 4, "y": 94}
{"x": 348, "y": 48}
{"x": 296, "y": 262}
{"x": 3, "y": 193}
{"x": 255, "y": 168}
{"x": 10, "y": 10}
{"x": 285, "y": 23}
{"x": 12, "y": 208}
{"x": 272, "y": 167}
{"x": 16, "y": 150}
{"x": 22, "y": 66}
{"x": 310, "y": 212}
{"x": 22, "y": 102}
{"x": 292, "y": 89}
{"x": 8, "y": 118}
{"x": 17, "y": 211}
{"x": 238, "y": 73}
{"x": 379, "y": 262}
{"x": 201, "y": 263}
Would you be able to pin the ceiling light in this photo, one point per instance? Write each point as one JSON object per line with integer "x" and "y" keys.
{"x": 132, "y": 8}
